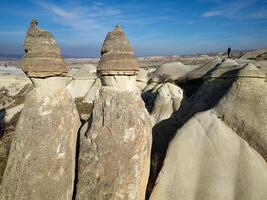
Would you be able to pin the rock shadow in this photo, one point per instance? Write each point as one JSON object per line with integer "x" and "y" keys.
{"x": 206, "y": 96}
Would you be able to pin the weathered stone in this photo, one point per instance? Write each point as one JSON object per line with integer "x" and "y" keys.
{"x": 42, "y": 54}
{"x": 260, "y": 54}
{"x": 244, "y": 107}
{"x": 82, "y": 81}
{"x": 171, "y": 72}
{"x": 168, "y": 100}
{"x": 117, "y": 57}
{"x": 41, "y": 161}
{"x": 240, "y": 102}
{"x": 13, "y": 90}
{"x": 203, "y": 70}
{"x": 207, "y": 160}
{"x": 93, "y": 91}
{"x": 228, "y": 68}
{"x": 142, "y": 79}
{"x": 114, "y": 153}
{"x": 126, "y": 83}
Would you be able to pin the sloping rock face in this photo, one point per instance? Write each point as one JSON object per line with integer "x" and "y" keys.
{"x": 207, "y": 160}
{"x": 168, "y": 100}
{"x": 41, "y": 161}
{"x": 13, "y": 90}
{"x": 234, "y": 102}
{"x": 82, "y": 81}
{"x": 260, "y": 54}
{"x": 114, "y": 155}
{"x": 117, "y": 57}
{"x": 42, "y": 54}
{"x": 142, "y": 79}
{"x": 244, "y": 108}
{"x": 236, "y": 92}
{"x": 171, "y": 72}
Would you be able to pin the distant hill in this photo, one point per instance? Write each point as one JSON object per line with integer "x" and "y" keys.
{"x": 10, "y": 56}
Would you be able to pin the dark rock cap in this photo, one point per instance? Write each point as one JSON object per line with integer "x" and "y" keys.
{"x": 42, "y": 56}
{"x": 117, "y": 57}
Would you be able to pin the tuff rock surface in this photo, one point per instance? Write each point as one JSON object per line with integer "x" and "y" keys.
{"x": 114, "y": 153}
{"x": 41, "y": 161}
{"x": 168, "y": 99}
{"x": 208, "y": 160}
{"x": 244, "y": 107}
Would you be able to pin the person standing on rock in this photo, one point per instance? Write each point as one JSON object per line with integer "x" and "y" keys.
{"x": 114, "y": 155}
{"x": 41, "y": 162}
{"x": 229, "y": 51}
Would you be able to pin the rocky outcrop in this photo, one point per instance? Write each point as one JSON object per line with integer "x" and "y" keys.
{"x": 115, "y": 152}
{"x": 168, "y": 99}
{"x": 207, "y": 160}
{"x": 142, "y": 79}
{"x": 244, "y": 107}
{"x": 225, "y": 90}
{"x": 41, "y": 162}
{"x": 13, "y": 89}
{"x": 82, "y": 81}
{"x": 171, "y": 72}
{"x": 260, "y": 54}
{"x": 202, "y": 70}
{"x": 42, "y": 54}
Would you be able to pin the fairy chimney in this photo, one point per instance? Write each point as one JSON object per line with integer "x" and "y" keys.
{"x": 115, "y": 143}
{"x": 118, "y": 66}
{"x": 42, "y": 54}
{"x": 41, "y": 163}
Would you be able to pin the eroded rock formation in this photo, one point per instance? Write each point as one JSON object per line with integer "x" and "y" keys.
{"x": 114, "y": 155}
{"x": 208, "y": 160}
{"x": 41, "y": 162}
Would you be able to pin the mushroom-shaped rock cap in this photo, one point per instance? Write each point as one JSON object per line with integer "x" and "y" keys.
{"x": 42, "y": 56}
{"x": 117, "y": 57}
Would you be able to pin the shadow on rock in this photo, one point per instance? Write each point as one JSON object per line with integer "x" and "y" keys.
{"x": 206, "y": 97}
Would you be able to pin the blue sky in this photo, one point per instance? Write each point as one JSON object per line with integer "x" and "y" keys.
{"x": 153, "y": 27}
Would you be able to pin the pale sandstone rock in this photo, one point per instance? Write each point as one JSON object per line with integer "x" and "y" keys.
{"x": 114, "y": 153}
{"x": 126, "y": 83}
{"x": 170, "y": 72}
{"x": 93, "y": 91}
{"x": 142, "y": 79}
{"x": 238, "y": 109}
{"x": 50, "y": 83}
{"x": 14, "y": 84}
{"x": 260, "y": 54}
{"x": 226, "y": 69}
{"x": 207, "y": 160}
{"x": 12, "y": 95}
{"x": 41, "y": 161}
{"x": 82, "y": 81}
{"x": 203, "y": 70}
{"x": 244, "y": 107}
{"x": 168, "y": 99}
{"x": 10, "y": 113}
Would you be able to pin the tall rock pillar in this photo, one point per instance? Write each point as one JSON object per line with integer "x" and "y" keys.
{"x": 114, "y": 156}
{"x": 41, "y": 163}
